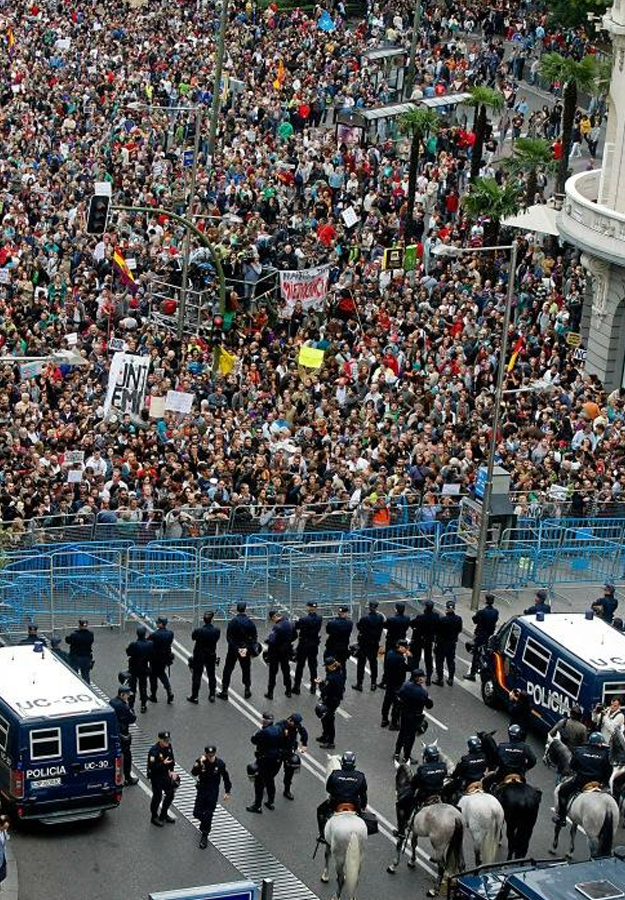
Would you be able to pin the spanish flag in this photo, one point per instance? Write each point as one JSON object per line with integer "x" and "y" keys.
{"x": 125, "y": 275}
{"x": 280, "y": 76}
{"x": 10, "y": 40}
{"x": 520, "y": 344}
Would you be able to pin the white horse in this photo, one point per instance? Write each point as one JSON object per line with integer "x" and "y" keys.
{"x": 345, "y": 834}
{"x": 484, "y": 819}
{"x": 597, "y": 813}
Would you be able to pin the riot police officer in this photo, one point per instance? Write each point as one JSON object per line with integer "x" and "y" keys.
{"x": 591, "y": 762}
{"x": 81, "y": 649}
{"x": 292, "y": 730}
{"x": 308, "y": 629}
{"x": 160, "y": 770}
{"x": 424, "y": 627}
{"x": 485, "y": 621}
{"x": 209, "y": 771}
{"x": 279, "y": 652}
{"x": 139, "y": 654}
{"x": 428, "y": 781}
{"x": 396, "y": 667}
{"x": 472, "y": 766}
{"x": 332, "y": 690}
{"x": 125, "y": 718}
{"x": 396, "y": 629}
{"x": 162, "y": 658}
{"x": 338, "y": 632}
{"x": 413, "y": 699}
{"x": 345, "y": 785}
{"x": 369, "y": 627}
{"x": 242, "y": 637}
{"x": 447, "y": 633}
{"x": 204, "y": 657}
{"x": 268, "y": 743}
{"x": 515, "y": 757}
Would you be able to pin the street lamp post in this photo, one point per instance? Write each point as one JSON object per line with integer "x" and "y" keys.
{"x": 219, "y": 64}
{"x": 482, "y": 538}
{"x": 182, "y": 307}
{"x": 416, "y": 34}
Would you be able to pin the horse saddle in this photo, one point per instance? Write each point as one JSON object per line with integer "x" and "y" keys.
{"x": 475, "y": 787}
{"x": 513, "y": 778}
{"x": 431, "y": 800}
{"x": 591, "y": 787}
{"x": 345, "y": 806}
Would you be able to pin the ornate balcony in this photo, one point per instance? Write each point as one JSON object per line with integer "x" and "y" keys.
{"x": 589, "y": 225}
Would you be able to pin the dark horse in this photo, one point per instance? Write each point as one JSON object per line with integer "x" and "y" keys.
{"x": 520, "y": 802}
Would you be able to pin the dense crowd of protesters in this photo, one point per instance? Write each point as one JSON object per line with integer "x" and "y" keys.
{"x": 399, "y": 415}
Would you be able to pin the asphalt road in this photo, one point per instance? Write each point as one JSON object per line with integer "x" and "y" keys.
{"x": 122, "y": 855}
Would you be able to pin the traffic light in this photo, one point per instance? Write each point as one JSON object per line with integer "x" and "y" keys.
{"x": 97, "y": 217}
{"x": 217, "y": 330}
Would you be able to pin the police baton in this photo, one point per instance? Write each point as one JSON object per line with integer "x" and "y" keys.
{"x": 267, "y": 890}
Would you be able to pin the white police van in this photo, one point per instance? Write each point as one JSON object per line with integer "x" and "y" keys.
{"x": 60, "y": 756}
{"x": 559, "y": 659}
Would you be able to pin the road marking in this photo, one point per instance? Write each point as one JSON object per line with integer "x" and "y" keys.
{"x": 427, "y": 714}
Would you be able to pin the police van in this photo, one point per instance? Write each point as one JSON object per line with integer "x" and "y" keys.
{"x": 560, "y": 659}
{"x": 60, "y": 756}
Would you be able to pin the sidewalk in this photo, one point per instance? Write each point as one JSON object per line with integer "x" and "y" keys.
{"x": 10, "y": 886}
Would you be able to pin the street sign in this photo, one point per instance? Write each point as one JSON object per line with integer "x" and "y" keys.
{"x": 480, "y": 482}
{"x": 187, "y": 159}
{"x": 471, "y": 512}
{"x": 234, "y": 890}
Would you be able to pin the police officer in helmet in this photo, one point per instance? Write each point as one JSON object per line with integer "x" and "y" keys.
{"x": 471, "y": 767}
{"x": 514, "y": 755}
{"x": 347, "y": 785}
{"x": 591, "y": 762}
{"x": 427, "y": 782}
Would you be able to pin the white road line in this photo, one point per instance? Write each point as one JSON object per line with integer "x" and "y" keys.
{"x": 427, "y": 714}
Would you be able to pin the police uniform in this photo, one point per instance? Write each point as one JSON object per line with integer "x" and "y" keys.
{"x": 161, "y": 764}
{"x": 268, "y": 743}
{"x": 515, "y": 758}
{"x": 395, "y": 671}
{"x": 56, "y": 649}
{"x": 447, "y": 632}
{"x": 308, "y": 629}
{"x": 125, "y": 718}
{"x": 80, "y": 644}
{"x": 292, "y": 730}
{"x": 241, "y": 636}
{"x": 428, "y": 781}
{"x": 209, "y": 773}
{"x": 413, "y": 699}
{"x": 370, "y": 628}
{"x": 204, "y": 658}
{"x": 343, "y": 786}
{"x": 607, "y": 604}
{"x": 424, "y": 628}
{"x": 470, "y": 768}
{"x": 396, "y": 627}
{"x": 588, "y": 763}
{"x": 279, "y": 654}
{"x": 485, "y": 621}
{"x": 33, "y": 637}
{"x": 139, "y": 654}
{"x": 541, "y": 604}
{"x": 339, "y": 632}
{"x": 332, "y": 691}
{"x": 162, "y": 657}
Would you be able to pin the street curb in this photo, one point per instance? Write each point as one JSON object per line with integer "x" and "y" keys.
{"x": 10, "y": 886}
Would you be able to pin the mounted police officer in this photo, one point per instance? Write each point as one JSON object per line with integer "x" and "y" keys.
{"x": 268, "y": 743}
{"x": 160, "y": 771}
{"x": 332, "y": 690}
{"x": 589, "y": 763}
{"x": 485, "y": 621}
{"x": 81, "y": 649}
{"x": 125, "y": 718}
{"x": 204, "y": 657}
{"x": 292, "y": 730}
{"x": 369, "y": 627}
{"x": 515, "y": 757}
{"x": 447, "y": 634}
{"x": 339, "y": 630}
{"x": 396, "y": 629}
{"x": 413, "y": 699}
{"x": 139, "y": 655}
{"x": 209, "y": 771}
{"x": 396, "y": 666}
{"x": 345, "y": 785}
{"x": 308, "y": 629}
{"x": 424, "y": 627}
{"x": 279, "y": 652}
{"x": 242, "y": 637}
{"x": 427, "y": 782}
{"x": 162, "y": 658}
{"x": 471, "y": 767}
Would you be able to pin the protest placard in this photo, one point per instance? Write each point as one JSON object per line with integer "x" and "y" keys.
{"x": 178, "y": 401}
{"x": 127, "y": 384}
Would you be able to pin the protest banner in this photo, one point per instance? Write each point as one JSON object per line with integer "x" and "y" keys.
{"x": 31, "y": 369}
{"x": 310, "y": 357}
{"x": 178, "y": 401}
{"x": 127, "y": 384}
{"x": 306, "y": 286}
{"x": 116, "y": 343}
{"x": 73, "y": 457}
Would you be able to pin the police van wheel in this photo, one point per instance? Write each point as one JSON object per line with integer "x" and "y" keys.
{"x": 489, "y": 693}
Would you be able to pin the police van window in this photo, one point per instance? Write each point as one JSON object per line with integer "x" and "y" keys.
{"x": 568, "y": 679}
{"x": 91, "y": 737}
{"x": 536, "y": 656}
{"x": 512, "y": 641}
{"x": 45, "y": 743}
{"x": 612, "y": 689}
{"x": 4, "y": 734}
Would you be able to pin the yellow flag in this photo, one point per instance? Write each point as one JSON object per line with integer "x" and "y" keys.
{"x": 310, "y": 357}
{"x": 226, "y": 362}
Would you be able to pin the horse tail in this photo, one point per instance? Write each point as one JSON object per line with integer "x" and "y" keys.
{"x": 606, "y": 835}
{"x": 454, "y": 859}
{"x": 491, "y": 840}
{"x": 352, "y": 865}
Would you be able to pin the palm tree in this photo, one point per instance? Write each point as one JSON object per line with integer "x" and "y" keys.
{"x": 528, "y": 156}
{"x": 418, "y": 123}
{"x": 483, "y": 99}
{"x": 495, "y": 202}
{"x": 575, "y": 75}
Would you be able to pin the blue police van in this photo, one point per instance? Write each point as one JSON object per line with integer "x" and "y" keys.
{"x": 60, "y": 756}
{"x": 560, "y": 659}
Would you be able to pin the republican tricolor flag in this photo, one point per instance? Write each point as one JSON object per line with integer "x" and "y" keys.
{"x": 10, "y": 38}
{"x": 125, "y": 275}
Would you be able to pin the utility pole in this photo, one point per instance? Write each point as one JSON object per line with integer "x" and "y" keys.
{"x": 219, "y": 64}
{"x": 416, "y": 29}
{"x": 182, "y": 306}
